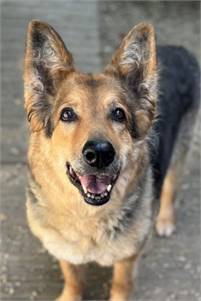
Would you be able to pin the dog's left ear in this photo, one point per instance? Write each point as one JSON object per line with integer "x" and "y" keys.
{"x": 47, "y": 61}
{"x": 134, "y": 62}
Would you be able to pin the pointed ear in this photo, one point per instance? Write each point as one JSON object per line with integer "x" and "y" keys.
{"x": 134, "y": 62}
{"x": 46, "y": 63}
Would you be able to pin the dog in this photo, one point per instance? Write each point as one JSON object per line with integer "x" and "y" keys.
{"x": 106, "y": 150}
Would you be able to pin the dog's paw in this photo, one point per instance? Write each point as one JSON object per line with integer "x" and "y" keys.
{"x": 67, "y": 295}
{"x": 118, "y": 298}
{"x": 69, "y": 298}
{"x": 165, "y": 227}
{"x": 120, "y": 292}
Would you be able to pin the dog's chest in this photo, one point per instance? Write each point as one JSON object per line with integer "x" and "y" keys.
{"x": 77, "y": 245}
{"x": 105, "y": 236}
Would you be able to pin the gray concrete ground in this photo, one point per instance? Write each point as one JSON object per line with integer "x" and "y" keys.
{"x": 170, "y": 268}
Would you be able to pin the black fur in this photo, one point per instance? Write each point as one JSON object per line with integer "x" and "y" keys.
{"x": 179, "y": 78}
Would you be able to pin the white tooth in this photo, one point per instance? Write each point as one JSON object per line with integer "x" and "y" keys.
{"x": 109, "y": 187}
{"x": 92, "y": 196}
{"x": 88, "y": 194}
{"x": 84, "y": 188}
{"x": 105, "y": 194}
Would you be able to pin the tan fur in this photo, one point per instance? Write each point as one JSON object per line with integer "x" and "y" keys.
{"x": 165, "y": 223}
{"x": 71, "y": 230}
{"x": 122, "y": 282}
{"x": 72, "y": 290}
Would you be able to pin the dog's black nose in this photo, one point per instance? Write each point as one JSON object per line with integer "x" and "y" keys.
{"x": 98, "y": 154}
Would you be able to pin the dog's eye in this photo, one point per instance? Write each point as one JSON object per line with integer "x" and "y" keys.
{"x": 68, "y": 115}
{"x": 118, "y": 115}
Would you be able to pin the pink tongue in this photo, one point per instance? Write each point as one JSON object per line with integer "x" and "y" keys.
{"x": 94, "y": 184}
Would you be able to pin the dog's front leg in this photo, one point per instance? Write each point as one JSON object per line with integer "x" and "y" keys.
{"x": 72, "y": 290}
{"x": 122, "y": 282}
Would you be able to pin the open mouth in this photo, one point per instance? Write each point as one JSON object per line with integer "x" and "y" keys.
{"x": 95, "y": 188}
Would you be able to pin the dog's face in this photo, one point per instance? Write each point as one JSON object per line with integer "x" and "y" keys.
{"x": 92, "y": 123}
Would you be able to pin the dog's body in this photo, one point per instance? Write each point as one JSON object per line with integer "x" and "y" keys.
{"x": 100, "y": 153}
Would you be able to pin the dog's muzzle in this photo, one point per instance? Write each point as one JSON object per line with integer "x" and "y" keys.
{"x": 96, "y": 187}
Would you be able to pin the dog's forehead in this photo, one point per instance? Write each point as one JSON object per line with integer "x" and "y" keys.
{"x": 90, "y": 86}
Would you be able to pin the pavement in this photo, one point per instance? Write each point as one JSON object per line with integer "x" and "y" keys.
{"x": 170, "y": 268}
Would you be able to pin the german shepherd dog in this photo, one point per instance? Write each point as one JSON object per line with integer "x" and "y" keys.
{"x": 105, "y": 150}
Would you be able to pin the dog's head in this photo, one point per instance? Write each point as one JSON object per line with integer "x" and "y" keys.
{"x": 91, "y": 123}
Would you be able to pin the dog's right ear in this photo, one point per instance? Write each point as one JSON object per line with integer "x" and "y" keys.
{"x": 46, "y": 63}
{"x": 134, "y": 63}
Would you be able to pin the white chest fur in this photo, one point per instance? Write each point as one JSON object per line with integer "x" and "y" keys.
{"x": 85, "y": 249}
{"x": 105, "y": 243}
